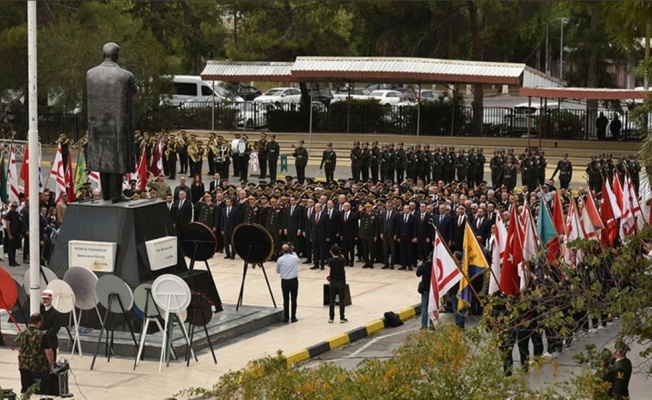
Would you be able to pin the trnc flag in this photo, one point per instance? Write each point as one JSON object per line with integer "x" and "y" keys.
{"x": 587, "y": 225}
{"x": 530, "y": 239}
{"x": 575, "y": 231}
{"x": 24, "y": 172}
{"x": 445, "y": 274}
{"x": 58, "y": 159}
{"x": 157, "y": 160}
{"x": 498, "y": 243}
{"x": 558, "y": 216}
{"x": 70, "y": 182}
{"x": 613, "y": 201}
{"x": 593, "y": 213}
{"x": 512, "y": 257}
{"x": 473, "y": 263}
{"x": 12, "y": 175}
{"x": 627, "y": 219}
{"x": 636, "y": 205}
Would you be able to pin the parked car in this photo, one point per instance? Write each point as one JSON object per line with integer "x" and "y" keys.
{"x": 192, "y": 91}
{"x": 524, "y": 116}
{"x": 387, "y": 97}
{"x": 353, "y": 94}
{"x": 248, "y": 93}
{"x": 387, "y": 86}
{"x": 430, "y": 95}
{"x": 324, "y": 95}
{"x": 280, "y": 95}
{"x": 252, "y": 115}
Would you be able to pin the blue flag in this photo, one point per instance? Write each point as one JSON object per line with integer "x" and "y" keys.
{"x": 545, "y": 228}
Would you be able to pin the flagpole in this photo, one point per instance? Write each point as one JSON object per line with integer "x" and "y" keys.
{"x": 32, "y": 140}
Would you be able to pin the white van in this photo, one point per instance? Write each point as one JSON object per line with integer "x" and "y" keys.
{"x": 191, "y": 90}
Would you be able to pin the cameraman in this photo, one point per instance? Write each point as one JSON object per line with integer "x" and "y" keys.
{"x": 288, "y": 267}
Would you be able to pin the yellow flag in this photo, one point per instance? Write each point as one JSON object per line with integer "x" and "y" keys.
{"x": 473, "y": 259}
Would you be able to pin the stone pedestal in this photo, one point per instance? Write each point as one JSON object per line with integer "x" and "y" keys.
{"x": 130, "y": 225}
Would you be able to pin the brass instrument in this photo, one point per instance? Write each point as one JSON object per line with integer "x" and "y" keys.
{"x": 80, "y": 143}
{"x": 63, "y": 139}
{"x": 212, "y": 145}
{"x": 194, "y": 151}
{"x": 170, "y": 148}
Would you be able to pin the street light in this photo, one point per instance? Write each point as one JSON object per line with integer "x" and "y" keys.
{"x": 561, "y": 48}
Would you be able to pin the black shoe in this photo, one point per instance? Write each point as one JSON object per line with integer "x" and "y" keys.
{"x": 321, "y": 268}
{"x": 371, "y": 266}
{"x": 294, "y": 320}
{"x": 343, "y": 320}
{"x": 227, "y": 256}
{"x": 307, "y": 262}
{"x": 402, "y": 269}
{"x": 391, "y": 267}
{"x": 286, "y": 321}
{"x": 410, "y": 269}
{"x": 365, "y": 266}
{"x": 385, "y": 267}
{"x": 314, "y": 267}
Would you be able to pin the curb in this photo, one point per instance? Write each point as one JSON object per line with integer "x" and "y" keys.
{"x": 351, "y": 336}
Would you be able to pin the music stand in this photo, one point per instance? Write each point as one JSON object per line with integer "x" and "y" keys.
{"x": 116, "y": 296}
{"x": 144, "y": 301}
{"x": 83, "y": 283}
{"x": 8, "y": 298}
{"x": 255, "y": 245}
{"x": 64, "y": 302}
{"x": 172, "y": 295}
{"x": 199, "y": 314}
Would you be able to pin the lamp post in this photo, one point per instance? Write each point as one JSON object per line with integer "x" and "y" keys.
{"x": 561, "y": 48}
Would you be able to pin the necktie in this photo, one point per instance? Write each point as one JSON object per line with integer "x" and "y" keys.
{"x": 309, "y": 212}
{"x": 181, "y": 204}
{"x": 479, "y": 222}
{"x": 422, "y": 216}
{"x": 169, "y": 206}
{"x": 317, "y": 219}
{"x": 330, "y": 213}
{"x": 406, "y": 217}
{"x": 292, "y": 210}
{"x": 228, "y": 212}
{"x": 441, "y": 218}
{"x": 346, "y": 216}
{"x": 459, "y": 221}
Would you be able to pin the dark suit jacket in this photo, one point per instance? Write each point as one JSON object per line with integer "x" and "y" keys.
{"x": 406, "y": 230}
{"x": 293, "y": 222}
{"x": 213, "y": 185}
{"x": 183, "y": 215}
{"x": 173, "y": 211}
{"x": 424, "y": 229}
{"x": 307, "y": 221}
{"x": 389, "y": 225}
{"x": 445, "y": 227}
{"x": 458, "y": 233}
{"x": 319, "y": 230}
{"x": 349, "y": 228}
{"x": 333, "y": 230}
{"x": 227, "y": 225}
{"x": 51, "y": 325}
{"x": 484, "y": 230}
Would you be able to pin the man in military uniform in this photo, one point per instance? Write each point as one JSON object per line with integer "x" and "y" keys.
{"x": 427, "y": 158}
{"x": 436, "y": 165}
{"x": 565, "y": 169}
{"x": 541, "y": 167}
{"x": 368, "y": 233}
{"x": 243, "y": 160}
{"x": 462, "y": 166}
{"x": 301, "y": 160}
{"x": 182, "y": 151}
{"x": 171, "y": 157}
{"x": 451, "y": 161}
{"x": 207, "y": 213}
{"x": 411, "y": 165}
{"x": 401, "y": 163}
{"x": 419, "y": 164}
{"x": 366, "y": 160}
{"x": 619, "y": 372}
{"x": 610, "y": 168}
{"x": 35, "y": 357}
{"x": 593, "y": 175}
{"x": 247, "y": 211}
{"x": 356, "y": 161}
{"x": 508, "y": 175}
{"x": 527, "y": 171}
{"x": 212, "y": 152}
{"x": 481, "y": 160}
{"x": 496, "y": 167}
{"x": 262, "y": 146}
{"x": 273, "y": 152}
{"x": 374, "y": 160}
{"x": 328, "y": 162}
{"x": 634, "y": 169}
{"x": 385, "y": 163}
{"x": 273, "y": 220}
{"x": 393, "y": 161}
{"x": 473, "y": 168}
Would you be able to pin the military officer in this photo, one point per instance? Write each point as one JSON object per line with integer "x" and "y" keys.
{"x": 328, "y": 162}
{"x": 212, "y": 151}
{"x": 450, "y": 164}
{"x": 366, "y": 162}
{"x": 419, "y": 163}
{"x": 527, "y": 171}
{"x": 619, "y": 372}
{"x": 436, "y": 165}
{"x": 593, "y": 175}
{"x": 273, "y": 219}
{"x": 565, "y": 169}
{"x": 473, "y": 168}
{"x": 300, "y": 155}
{"x": 481, "y": 160}
{"x": 496, "y": 167}
{"x": 462, "y": 166}
{"x": 634, "y": 169}
{"x": 412, "y": 161}
{"x": 508, "y": 175}
{"x": 206, "y": 212}
{"x": 273, "y": 152}
{"x": 385, "y": 164}
{"x": 543, "y": 164}
{"x": 356, "y": 161}
{"x": 401, "y": 163}
{"x": 368, "y": 233}
{"x": 182, "y": 151}
{"x": 374, "y": 161}
{"x": 262, "y": 147}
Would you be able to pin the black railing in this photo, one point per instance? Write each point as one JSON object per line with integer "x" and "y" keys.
{"x": 367, "y": 116}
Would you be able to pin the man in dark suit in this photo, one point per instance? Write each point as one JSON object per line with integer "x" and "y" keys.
{"x": 215, "y": 183}
{"x": 172, "y": 208}
{"x": 292, "y": 223}
{"x": 389, "y": 223}
{"x": 406, "y": 234}
{"x": 306, "y": 221}
{"x": 51, "y": 320}
{"x": 319, "y": 235}
{"x": 481, "y": 226}
{"x": 424, "y": 233}
{"x": 227, "y": 225}
{"x": 444, "y": 223}
{"x": 333, "y": 229}
{"x": 458, "y": 228}
{"x": 184, "y": 212}
{"x": 348, "y": 232}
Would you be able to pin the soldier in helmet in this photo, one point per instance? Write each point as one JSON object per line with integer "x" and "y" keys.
{"x": 301, "y": 160}
{"x": 393, "y": 161}
{"x": 385, "y": 163}
{"x": 451, "y": 164}
{"x": 412, "y": 159}
{"x": 593, "y": 175}
{"x": 427, "y": 159}
{"x": 366, "y": 160}
{"x": 473, "y": 169}
{"x": 328, "y": 162}
{"x": 437, "y": 165}
{"x": 462, "y": 166}
{"x": 508, "y": 175}
{"x": 565, "y": 169}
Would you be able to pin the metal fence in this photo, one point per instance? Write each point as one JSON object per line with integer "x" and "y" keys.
{"x": 430, "y": 119}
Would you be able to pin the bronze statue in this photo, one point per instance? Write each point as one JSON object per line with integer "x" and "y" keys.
{"x": 111, "y": 149}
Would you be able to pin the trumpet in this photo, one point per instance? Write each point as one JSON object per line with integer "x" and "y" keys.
{"x": 80, "y": 143}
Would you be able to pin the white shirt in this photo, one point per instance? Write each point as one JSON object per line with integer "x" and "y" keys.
{"x": 287, "y": 266}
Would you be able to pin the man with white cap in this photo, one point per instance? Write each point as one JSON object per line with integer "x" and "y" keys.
{"x": 51, "y": 320}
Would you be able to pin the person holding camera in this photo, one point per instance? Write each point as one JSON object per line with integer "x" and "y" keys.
{"x": 287, "y": 266}
{"x": 337, "y": 287}
{"x": 35, "y": 357}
